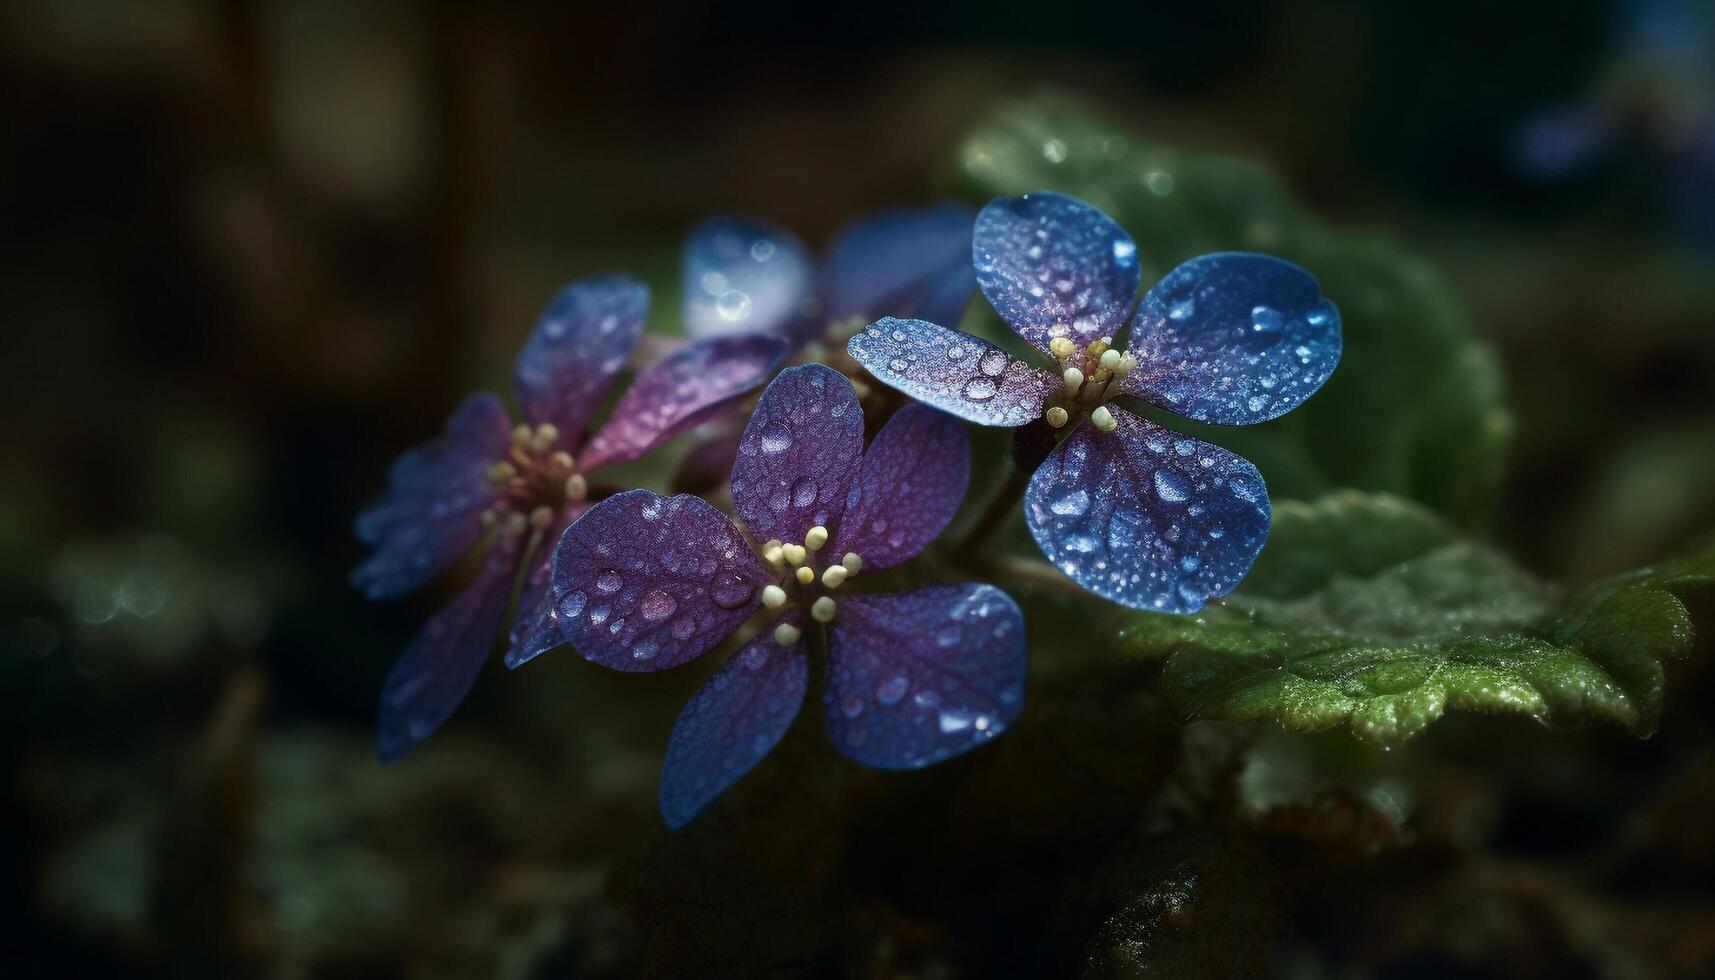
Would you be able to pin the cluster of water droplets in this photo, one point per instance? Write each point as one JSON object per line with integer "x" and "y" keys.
{"x": 951, "y": 370}
{"x": 740, "y": 276}
{"x": 1148, "y": 518}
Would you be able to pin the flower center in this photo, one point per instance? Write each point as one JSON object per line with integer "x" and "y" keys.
{"x": 804, "y": 581}
{"x": 534, "y": 481}
{"x": 1085, "y": 376}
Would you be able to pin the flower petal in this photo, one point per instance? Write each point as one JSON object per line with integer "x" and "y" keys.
{"x": 799, "y": 455}
{"x": 580, "y": 342}
{"x": 431, "y": 678}
{"x": 911, "y": 483}
{"x": 1148, "y": 518}
{"x": 909, "y": 262}
{"x": 921, "y": 676}
{"x": 737, "y": 717}
{"x": 1233, "y": 338}
{"x": 1053, "y": 266}
{"x": 536, "y": 626}
{"x": 682, "y": 390}
{"x": 744, "y": 277}
{"x": 953, "y": 371}
{"x": 428, "y": 515}
{"x": 644, "y": 582}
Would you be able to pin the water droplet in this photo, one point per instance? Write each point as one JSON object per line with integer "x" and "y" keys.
{"x": 1124, "y": 251}
{"x": 926, "y": 699}
{"x": 803, "y": 492}
{"x": 1216, "y": 532}
{"x": 683, "y": 627}
{"x": 731, "y": 590}
{"x": 732, "y": 305}
{"x": 1182, "y": 310}
{"x": 572, "y": 605}
{"x": 1190, "y": 563}
{"x": 1256, "y": 403}
{"x": 776, "y": 438}
{"x": 980, "y": 389}
{"x": 1316, "y": 318}
{"x": 1264, "y": 318}
{"x": 993, "y": 363}
{"x": 644, "y": 649}
{"x": 657, "y": 605}
{"x": 762, "y": 250}
{"x": 947, "y": 636}
{"x": 1170, "y": 486}
{"x": 956, "y": 352}
{"x": 609, "y": 582}
{"x": 852, "y": 706}
{"x": 891, "y": 691}
{"x": 1073, "y": 503}
{"x": 897, "y": 365}
{"x": 952, "y": 721}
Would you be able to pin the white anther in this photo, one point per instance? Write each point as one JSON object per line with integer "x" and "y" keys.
{"x": 853, "y": 564}
{"x": 577, "y": 488}
{"x": 794, "y": 553}
{"x": 1127, "y": 365}
{"x": 1110, "y": 359}
{"x": 515, "y": 524}
{"x": 1074, "y": 380}
{"x": 501, "y": 472}
{"x": 823, "y": 609}
{"x": 786, "y": 634}
{"x": 521, "y": 433}
{"x": 834, "y": 576}
{"x": 1062, "y": 347}
{"x": 1056, "y": 416}
{"x": 490, "y": 518}
{"x": 541, "y": 517}
{"x": 546, "y": 435}
{"x": 1106, "y": 341}
{"x": 804, "y": 576}
{"x": 816, "y": 537}
{"x": 773, "y": 596}
{"x": 562, "y": 459}
{"x": 773, "y": 555}
{"x": 1103, "y": 419}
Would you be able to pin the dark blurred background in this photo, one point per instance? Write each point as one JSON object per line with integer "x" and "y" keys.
{"x": 254, "y": 250}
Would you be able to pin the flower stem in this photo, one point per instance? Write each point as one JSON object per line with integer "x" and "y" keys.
{"x": 999, "y": 508}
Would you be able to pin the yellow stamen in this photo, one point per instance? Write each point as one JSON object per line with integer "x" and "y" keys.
{"x": 852, "y": 562}
{"x": 794, "y": 553}
{"x": 816, "y": 537}
{"x": 1103, "y": 419}
{"x": 786, "y": 634}
{"x": 773, "y": 596}
{"x": 805, "y": 576}
{"x": 822, "y": 610}
{"x": 1062, "y": 347}
{"x": 1056, "y": 416}
{"x": 834, "y": 576}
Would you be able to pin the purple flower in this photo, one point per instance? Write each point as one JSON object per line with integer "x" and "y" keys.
{"x": 743, "y": 276}
{"x": 511, "y": 489}
{"x": 645, "y": 582}
{"x": 1128, "y": 509}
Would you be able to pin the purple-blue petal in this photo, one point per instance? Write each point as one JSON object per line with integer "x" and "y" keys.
{"x": 953, "y": 371}
{"x": 1146, "y": 517}
{"x": 644, "y": 582}
{"x": 431, "y": 678}
{"x": 799, "y": 455}
{"x": 739, "y": 714}
{"x": 580, "y": 343}
{"x": 680, "y": 391}
{"x": 536, "y": 625}
{"x": 1233, "y": 338}
{"x": 907, "y": 262}
{"x": 1053, "y": 266}
{"x": 429, "y": 515}
{"x": 918, "y": 677}
{"x": 744, "y": 277}
{"x": 910, "y": 485}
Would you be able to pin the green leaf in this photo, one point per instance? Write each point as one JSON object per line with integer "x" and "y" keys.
{"x": 1368, "y": 611}
{"x": 1415, "y": 407}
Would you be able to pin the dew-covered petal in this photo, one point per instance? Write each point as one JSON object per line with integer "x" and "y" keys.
{"x": 536, "y": 626}
{"x": 682, "y": 390}
{"x": 580, "y": 342}
{"x": 911, "y": 483}
{"x": 921, "y": 676}
{"x": 742, "y": 277}
{"x": 1146, "y": 517}
{"x": 1053, "y": 266}
{"x": 644, "y": 582}
{"x": 1233, "y": 338}
{"x": 431, "y": 678}
{"x": 737, "y": 717}
{"x": 907, "y": 262}
{"x": 953, "y": 371}
{"x": 429, "y": 514}
{"x": 799, "y": 455}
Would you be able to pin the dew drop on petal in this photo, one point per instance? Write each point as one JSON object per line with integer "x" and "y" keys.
{"x": 1170, "y": 486}
{"x": 980, "y": 389}
{"x": 657, "y": 605}
{"x": 891, "y": 691}
{"x": 1071, "y": 503}
{"x": 732, "y": 305}
{"x": 776, "y": 438}
{"x": 609, "y": 582}
{"x": 803, "y": 492}
{"x": 993, "y": 363}
{"x": 731, "y": 590}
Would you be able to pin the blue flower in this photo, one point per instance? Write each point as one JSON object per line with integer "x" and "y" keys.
{"x": 1130, "y": 510}
{"x": 645, "y": 583}
{"x": 510, "y": 489}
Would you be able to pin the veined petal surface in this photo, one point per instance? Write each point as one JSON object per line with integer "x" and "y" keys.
{"x": 798, "y": 458}
{"x": 1148, "y": 518}
{"x": 918, "y": 677}
{"x": 644, "y": 582}
{"x": 953, "y": 371}
{"x": 1233, "y": 338}
{"x": 580, "y": 343}
{"x": 1053, "y": 266}
{"x": 912, "y": 480}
